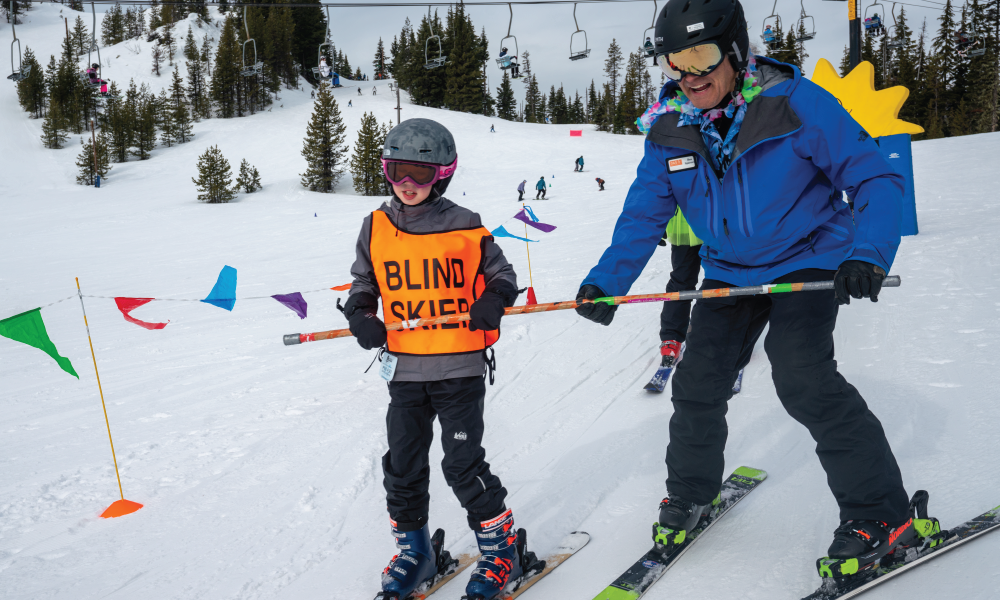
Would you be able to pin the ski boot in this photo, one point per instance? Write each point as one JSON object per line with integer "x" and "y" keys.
{"x": 670, "y": 353}
{"x": 505, "y": 562}
{"x": 861, "y": 547}
{"x": 677, "y": 518}
{"x": 421, "y": 560}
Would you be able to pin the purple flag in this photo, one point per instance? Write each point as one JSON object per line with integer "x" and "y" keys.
{"x": 294, "y": 301}
{"x": 520, "y": 216}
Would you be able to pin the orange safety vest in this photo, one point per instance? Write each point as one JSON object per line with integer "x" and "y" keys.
{"x": 423, "y": 275}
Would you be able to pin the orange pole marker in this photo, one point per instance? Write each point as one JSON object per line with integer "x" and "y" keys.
{"x": 123, "y": 506}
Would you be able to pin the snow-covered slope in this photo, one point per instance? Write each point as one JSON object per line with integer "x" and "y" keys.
{"x": 259, "y": 464}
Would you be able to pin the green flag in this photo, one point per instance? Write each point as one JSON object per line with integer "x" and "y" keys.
{"x": 29, "y": 329}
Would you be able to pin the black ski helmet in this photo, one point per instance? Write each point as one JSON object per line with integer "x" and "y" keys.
{"x": 95, "y": 66}
{"x": 685, "y": 23}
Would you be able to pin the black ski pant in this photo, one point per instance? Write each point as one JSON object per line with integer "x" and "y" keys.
{"x": 676, "y": 316}
{"x": 458, "y": 405}
{"x": 850, "y": 441}
{"x": 520, "y": 195}
{"x": 540, "y": 193}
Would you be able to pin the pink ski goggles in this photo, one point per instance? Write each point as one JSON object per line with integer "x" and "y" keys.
{"x": 419, "y": 174}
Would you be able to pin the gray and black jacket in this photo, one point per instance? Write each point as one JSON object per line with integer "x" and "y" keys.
{"x": 432, "y": 216}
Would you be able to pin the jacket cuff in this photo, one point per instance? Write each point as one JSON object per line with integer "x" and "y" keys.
{"x": 870, "y": 255}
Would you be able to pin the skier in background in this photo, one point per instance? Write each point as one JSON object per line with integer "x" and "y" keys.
{"x": 373, "y": 90}
{"x": 540, "y": 186}
{"x": 685, "y": 264}
{"x": 438, "y": 372}
{"x": 600, "y": 183}
{"x": 766, "y": 217}
{"x": 520, "y": 191}
{"x": 578, "y": 165}
{"x": 349, "y": 103}
{"x": 492, "y": 130}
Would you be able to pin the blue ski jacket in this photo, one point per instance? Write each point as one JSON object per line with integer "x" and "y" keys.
{"x": 541, "y": 184}
{"x": 778, "y": 208}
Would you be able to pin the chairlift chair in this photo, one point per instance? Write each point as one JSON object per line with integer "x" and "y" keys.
{"x": 441, "y": 60}
{"x": 872, "y": 28}
{"x": 772, "y": 22}
{"x": 972, "y": 47}
{"x": 807, "y": 25}
{"x": 19, "y": 73}
{"x": 256, "y": 67}
{"x": 504, "y": 62}
{"x": 649, "y": 49}
{"x": 893, "y": 32}
{"x": 585, "y": 52}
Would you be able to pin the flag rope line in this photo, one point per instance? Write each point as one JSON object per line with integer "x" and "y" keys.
{"x": 292, "y": 339}
{"x": 101, "y": 391}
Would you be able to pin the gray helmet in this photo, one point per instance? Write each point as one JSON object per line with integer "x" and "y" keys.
{"x": 420, "y": 140}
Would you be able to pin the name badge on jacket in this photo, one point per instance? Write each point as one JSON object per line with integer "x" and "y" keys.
{"x": 682, "y": 163}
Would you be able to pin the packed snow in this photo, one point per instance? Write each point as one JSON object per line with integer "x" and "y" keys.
{"x": 259, "y": 464}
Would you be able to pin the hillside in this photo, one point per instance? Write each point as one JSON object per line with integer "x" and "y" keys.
{"x": 259, "y": 464}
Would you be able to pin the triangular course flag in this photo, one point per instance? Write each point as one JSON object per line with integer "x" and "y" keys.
{"x": 223, "y": 294}
{"x": 501, "y": 232}
{"x": 28, "y": 328}
{"x": 127, "y": 305}
{"x": 530, "y": 219}
{"x": 294, "y": 301}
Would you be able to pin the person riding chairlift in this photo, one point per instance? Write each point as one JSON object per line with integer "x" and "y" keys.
{"x": 515, "y": 71}
{"x": 96, "y": 81}
{"x": 768, "y": 35}
{"x": 648, "y": 47}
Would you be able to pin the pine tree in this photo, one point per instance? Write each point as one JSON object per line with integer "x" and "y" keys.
{"x": 31, "y": 92}
{"x": 506, "y": 103}
{"x": 113, "y": 26}
{"x": 226, "y": 78}
{"x": 378, "y": 65}
{"x": 168, "y": 43}
{"x": 612, "y": 70}
{"x": 118, "y": 121}
{"x": 165, "y": 119}
{"x": 146, "y": 114}
{"x": 178, "y": 109}
{"x": 52, "y": 134}
{"x": 157, "y": 55}
{"x": 366, "y": 162}
{"x": 155, "y": 21}
{"x": 324, "y": 146}
{"x": 81, "y": 37}
{"x": 845, "y": 62}
{"x": 248, "y": 179}
{"x": 215, "y": 178}
{"x": 85, "y": 161}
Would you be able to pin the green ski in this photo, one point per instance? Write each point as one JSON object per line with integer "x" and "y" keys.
{"x": 634, "y": 582}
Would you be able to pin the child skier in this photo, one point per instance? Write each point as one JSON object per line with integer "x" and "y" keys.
{"x": 520, "y": 190}
{"x": 540, "y": 187}
{"x": 600, "y": 183}
{"x": 438, "y": 371}
{"x": 578, "y": 165}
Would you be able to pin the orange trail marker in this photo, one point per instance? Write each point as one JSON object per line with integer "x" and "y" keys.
{"x": 780, "y": 288}
{"x": 123, "y": 506}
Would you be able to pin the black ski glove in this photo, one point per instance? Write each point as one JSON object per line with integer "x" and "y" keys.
{"x": 858, "y": 279}
{"x": 361, "y": 311}
{"x": 485, "y": 313}
{"x": 597, "y": 312}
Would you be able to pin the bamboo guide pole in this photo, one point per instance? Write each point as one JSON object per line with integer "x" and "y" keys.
{"x": 122, "y": 506}
{"x": 774, "y": 288}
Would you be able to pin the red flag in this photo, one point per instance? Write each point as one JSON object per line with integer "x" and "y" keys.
{"x": 575, "y": 133}
{"x": 127, "y": 305}
{"x": 341, "y": 288}
{"x": 531, "y": 297}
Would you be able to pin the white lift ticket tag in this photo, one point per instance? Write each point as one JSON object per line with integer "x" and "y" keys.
{"x": 388, "y": 367}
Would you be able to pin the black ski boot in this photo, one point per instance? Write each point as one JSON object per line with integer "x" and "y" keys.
{"x": 677, "y": 518}
{"x": 860, "y": 547}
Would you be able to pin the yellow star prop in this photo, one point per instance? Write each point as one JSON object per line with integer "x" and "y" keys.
{"x": 876, "y": 110}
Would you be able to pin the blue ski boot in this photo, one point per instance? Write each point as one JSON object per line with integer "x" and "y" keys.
{"x": 504, "y": 563}
{"x": 415, "y": 564}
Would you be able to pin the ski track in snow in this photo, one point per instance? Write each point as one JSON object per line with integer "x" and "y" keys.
{"x": 259, "y": 465}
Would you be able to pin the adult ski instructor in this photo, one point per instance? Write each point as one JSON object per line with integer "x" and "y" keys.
{"x": 756, "y": 158}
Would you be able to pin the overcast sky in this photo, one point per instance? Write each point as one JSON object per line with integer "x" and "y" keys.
{"x": 544, "y": 30}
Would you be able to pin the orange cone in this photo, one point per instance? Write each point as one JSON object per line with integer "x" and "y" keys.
{"x": 120, "y": 508}
{"x": 531, "y": 296}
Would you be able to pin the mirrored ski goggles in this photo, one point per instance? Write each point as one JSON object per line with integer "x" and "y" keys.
{"x": 697, "y": 60}
{"x": 419, "y": 174}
